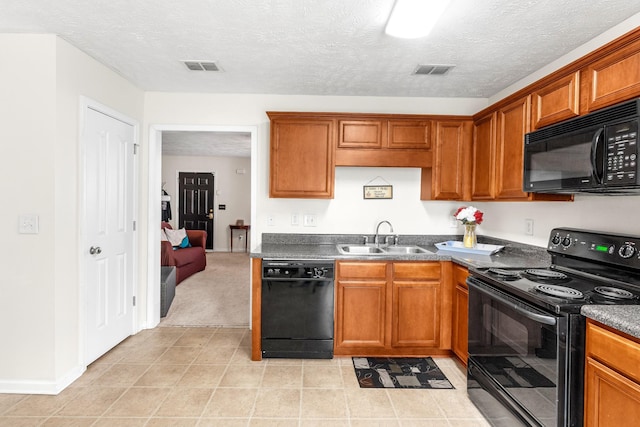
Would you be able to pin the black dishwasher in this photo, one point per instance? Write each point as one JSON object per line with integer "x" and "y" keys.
{"x": 297, "y": 309}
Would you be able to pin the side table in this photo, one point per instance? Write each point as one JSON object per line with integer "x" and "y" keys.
{"x": 246, "y": 234}
{"x": 167, "y": 288}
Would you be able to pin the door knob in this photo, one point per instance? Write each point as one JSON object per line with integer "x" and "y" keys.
{"x": 95, "y": 250}
{"x": 210, "y": 213}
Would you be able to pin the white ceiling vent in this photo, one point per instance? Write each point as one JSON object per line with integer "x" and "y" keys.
{"x": 433, "y": 70}
{"x": 202, "y": 66}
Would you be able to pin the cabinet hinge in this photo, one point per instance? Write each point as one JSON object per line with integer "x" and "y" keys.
{"x": 134, "y": 226}
{"x": 135, "y": 148}
{"x": 134, "y": 300}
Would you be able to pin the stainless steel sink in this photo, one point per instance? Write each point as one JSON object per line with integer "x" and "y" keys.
{"x": 347, "y": 249}
{"x": 405, "y": 250}
{"x": 360, "y": 249}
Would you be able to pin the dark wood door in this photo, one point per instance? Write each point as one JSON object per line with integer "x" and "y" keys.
{"x": 195, "y": 210}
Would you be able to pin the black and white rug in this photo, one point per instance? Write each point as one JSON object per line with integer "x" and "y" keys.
{"x": 405, "y": 372}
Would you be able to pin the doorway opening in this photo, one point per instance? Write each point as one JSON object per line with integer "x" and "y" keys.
{"x": 162, "y": 142}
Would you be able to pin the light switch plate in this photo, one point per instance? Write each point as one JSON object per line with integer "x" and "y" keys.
{"x": 295, "y": 219}
{"x": 28, "y": 224}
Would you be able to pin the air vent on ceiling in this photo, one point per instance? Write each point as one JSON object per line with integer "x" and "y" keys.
{"x": 433, "y": 70}
{"x": 202, "y": 66}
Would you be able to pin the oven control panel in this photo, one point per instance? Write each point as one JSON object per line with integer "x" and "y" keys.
{"x": 618, "y": 249}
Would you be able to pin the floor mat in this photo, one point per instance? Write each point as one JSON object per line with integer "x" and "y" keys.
{"x": 405, "y": 372}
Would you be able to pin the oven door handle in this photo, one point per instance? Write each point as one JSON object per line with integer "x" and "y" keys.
{"x": 521, "y": 309}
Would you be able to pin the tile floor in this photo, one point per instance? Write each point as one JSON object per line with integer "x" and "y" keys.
{"x": 204, "y": 377}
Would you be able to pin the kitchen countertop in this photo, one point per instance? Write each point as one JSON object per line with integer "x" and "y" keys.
{"x": 624, "y": 318}
{"x": 323, "y": 246}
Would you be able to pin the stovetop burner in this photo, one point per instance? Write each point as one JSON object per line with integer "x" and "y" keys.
{"x": 560, "y": 291}
{"x": 546, "y": 274}
{"x": 505, "y": 274}
{"x": 611, "y": 292}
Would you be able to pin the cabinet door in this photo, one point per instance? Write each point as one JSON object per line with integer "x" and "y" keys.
{"x": 483, "y": 157}
{"x": 452, "y": 158}
{"x": 513, "y": 123}
{"x": 416, "y": 314}
{"x": 302, "y": 158}
{"x": 460, "y": 313}
{"x": 611, "y": 400}
{"x": 612, "y": 79}
{"x": 416, "y": 299}
{"x": 361, "y": 301}
{"x": 408, "y": 134}
{"x": 556, "y": 101}
{"x": 360, "y": 133}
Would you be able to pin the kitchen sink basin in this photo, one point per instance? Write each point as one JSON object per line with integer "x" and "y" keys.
{"x": 375, "y": 250}
{"x": 360, "y": 249}
{"x": 405, "y": 250}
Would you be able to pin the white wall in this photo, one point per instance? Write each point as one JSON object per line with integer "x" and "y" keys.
{"x": 41, "y": 80}
{"x": 231, "y": 189}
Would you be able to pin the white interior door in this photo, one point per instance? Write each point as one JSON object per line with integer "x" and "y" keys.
{"x": 108, "y": 249}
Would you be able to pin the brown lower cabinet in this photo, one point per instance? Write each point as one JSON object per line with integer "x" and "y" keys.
{"x": 460, "y": 326}
{"x": 392, "y": 308}
{"x": 612, "y": 378}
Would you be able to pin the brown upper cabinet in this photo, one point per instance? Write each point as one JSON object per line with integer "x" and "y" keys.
{"x": 414, "y": 134}
{"x": 383, "y": 140}
{"x": 498, "y": 151}
{"x": 556, "y": 101}
{"x": 449, "y": 177}
{"x": 497, "y": 156}
{"x": 302, "y": 156}
{"x": 383, "y": 133}
{"x": 613, "y": 78}
{"x": 360, "y": 133}
{"x": 483, "y": 157}
{"x": 513, "y": 123}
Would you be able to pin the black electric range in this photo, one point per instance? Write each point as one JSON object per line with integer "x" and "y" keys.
{"x": 587, "y": 268}
{"x": 526, "y": 334}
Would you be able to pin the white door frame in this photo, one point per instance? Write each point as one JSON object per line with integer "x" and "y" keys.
{"x": 88, "y": 103}
{"x": 154, "y": 193}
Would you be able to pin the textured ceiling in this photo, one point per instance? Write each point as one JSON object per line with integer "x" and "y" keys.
{"x": 313, "y": 47}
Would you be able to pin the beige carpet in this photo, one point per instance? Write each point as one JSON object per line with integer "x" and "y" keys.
{"x": 217, "y": 296}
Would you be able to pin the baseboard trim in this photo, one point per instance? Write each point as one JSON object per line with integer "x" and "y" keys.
{"x": 41, "y": 387}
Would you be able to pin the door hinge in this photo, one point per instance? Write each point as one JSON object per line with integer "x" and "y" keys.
{"x": 134, "y": 300}
{"x": 135, "y": 148}
{"x": 134, "y": 226}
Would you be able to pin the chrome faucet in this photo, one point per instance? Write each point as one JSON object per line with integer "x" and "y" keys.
{"x": 376, "y": 239}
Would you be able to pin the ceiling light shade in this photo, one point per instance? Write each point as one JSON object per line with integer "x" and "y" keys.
{"x": 411, "y": 19}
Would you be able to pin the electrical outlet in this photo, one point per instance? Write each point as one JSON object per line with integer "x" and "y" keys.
{"x": 310, "y": 220}
{"x": 528, "y": 227}
{"x": 295, "y": 219}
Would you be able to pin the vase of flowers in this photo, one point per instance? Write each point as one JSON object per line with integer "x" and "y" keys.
{"x": 470, "y": 217}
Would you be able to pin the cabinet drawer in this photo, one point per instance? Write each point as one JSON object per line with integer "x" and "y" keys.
{"x": 616, "y": 351}
{"x": 362, "y": 270}
{"x": 416, "y": 270}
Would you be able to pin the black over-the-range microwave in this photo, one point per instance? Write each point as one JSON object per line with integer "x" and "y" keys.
{"x": 594, "y": 153}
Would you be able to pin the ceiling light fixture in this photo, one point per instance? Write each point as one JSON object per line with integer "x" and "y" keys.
{"x": 411, "y": 19}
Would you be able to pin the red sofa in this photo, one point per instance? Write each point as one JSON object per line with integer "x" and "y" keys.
{"x": 187, "y": 261}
